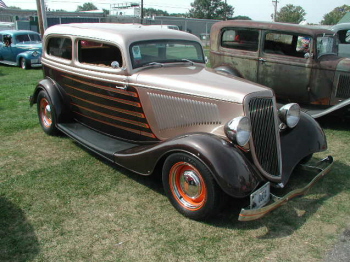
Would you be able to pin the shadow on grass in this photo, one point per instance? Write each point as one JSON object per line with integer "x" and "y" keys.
{"x": 18, "y": 241}
{"x": 282, "y": 222}
{"x": 336, "y": 122}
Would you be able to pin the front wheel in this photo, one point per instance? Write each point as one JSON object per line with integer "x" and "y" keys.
{"x": 46, "y": 114}
{"x": 190, "y": 187}
{"x": 24, "y": 64}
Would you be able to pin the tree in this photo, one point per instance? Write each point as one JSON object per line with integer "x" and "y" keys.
{"x": 211, "y": 9}
{"x": 291, "y": 14}
{"x": 154, "y": 12}
{"x": 86, "y": 7}
{"x": 241, "y": 17}
{"x": 334, "y": 16}
{"x": 14, "y": 7}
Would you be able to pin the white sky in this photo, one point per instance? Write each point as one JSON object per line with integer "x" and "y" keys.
{"x": 255, "y": 9}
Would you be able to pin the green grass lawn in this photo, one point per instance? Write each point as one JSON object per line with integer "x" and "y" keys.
{"x": 59, "y": 202}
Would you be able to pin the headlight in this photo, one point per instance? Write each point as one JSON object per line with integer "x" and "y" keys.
{"x": 290, "y": 114}
{"x": 238, "y": 130}
{"x": 35, "y": 53}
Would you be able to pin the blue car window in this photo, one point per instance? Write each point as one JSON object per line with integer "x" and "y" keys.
{"x": 22, "y": 38}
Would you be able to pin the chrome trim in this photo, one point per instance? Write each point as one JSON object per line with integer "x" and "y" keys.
{"x": 265, "y": 140}
{"x": 323, "y": 167}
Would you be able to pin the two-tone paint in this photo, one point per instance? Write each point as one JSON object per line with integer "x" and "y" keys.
{"x": 137, "y": 118}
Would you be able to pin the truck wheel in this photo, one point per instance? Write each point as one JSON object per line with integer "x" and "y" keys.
{"x": 46, "y": 114}
{"x": 24, "y": 64}
{"x": 190, "y": 187}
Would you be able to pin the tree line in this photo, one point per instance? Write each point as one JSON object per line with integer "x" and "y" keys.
{"x": 220, "y": 10}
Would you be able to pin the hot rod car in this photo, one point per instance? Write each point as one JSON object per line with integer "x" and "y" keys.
{"x": 143, "y": 98}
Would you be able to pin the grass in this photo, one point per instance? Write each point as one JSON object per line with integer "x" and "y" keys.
{"x": 59, "y": 202}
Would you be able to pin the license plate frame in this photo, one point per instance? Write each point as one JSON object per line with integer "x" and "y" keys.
{"x": 260, "y": 197}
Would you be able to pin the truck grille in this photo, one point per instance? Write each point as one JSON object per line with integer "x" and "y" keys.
{"x": 266, "y": 146}
{"x": 343, "y": 90}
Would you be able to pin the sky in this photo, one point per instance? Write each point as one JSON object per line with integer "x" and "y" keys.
{"x": 255, "y": 9}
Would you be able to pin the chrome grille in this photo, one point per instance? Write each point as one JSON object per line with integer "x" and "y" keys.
{"x": 264, "y": 137}
{"x": 343, "y": 90}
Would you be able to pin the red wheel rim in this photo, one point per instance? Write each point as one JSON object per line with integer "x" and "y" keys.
{"x": 187, "y": 186}
{"x": 45, "y": 113}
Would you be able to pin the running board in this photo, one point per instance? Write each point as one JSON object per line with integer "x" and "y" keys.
{"x": 100, "y": 144}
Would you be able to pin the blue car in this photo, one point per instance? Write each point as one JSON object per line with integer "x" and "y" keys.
{"x": 20, "y": 48}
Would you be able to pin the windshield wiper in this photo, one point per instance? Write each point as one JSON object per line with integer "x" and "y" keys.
{"x": 154, "y": 64}
{"x": 188, "y": 61}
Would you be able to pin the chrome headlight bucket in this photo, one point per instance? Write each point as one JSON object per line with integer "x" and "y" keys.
{"x": 290, "y": 114}
{"x": 238, "y": 130}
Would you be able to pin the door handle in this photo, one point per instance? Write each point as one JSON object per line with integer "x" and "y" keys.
{"x": 262, "y": 60}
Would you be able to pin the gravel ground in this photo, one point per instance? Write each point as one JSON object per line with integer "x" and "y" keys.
{"x": 341, "y": 251}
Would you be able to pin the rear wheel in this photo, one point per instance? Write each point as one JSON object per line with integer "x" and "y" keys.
{"x": 46, "y": 114}
{"x": 190, "y": 187}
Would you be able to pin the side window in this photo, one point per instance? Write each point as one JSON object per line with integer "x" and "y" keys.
{"x": 60, "y": 47}
{"x": 344, "y": 36}
{"x": 100, "y": 54}
{"x": 242, "y": 39}
{"x": 286, "y": 44}
{"x": 22, "y": 38}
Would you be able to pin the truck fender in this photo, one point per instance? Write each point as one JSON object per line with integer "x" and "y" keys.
{"x": 230, "y": 168}
{"x": 59, "y": 99}
{"x": 229, "y": 70}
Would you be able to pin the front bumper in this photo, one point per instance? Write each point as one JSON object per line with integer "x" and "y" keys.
{"x": 323, "y": 167}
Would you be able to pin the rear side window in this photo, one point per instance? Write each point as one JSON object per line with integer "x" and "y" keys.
{"x": 60, "y": 47}
{"x": 287, "y": 44}
{"x": 241, "y": 39}
{"x": 99, "y": 54}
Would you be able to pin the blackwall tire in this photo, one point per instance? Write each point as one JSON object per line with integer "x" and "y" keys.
{"x": 190, "y": 187}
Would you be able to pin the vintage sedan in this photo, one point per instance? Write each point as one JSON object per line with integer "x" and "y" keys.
{"x": 20, "y": 48}
{"x": 143, "y": 98}
{"x": 300, "y": 63}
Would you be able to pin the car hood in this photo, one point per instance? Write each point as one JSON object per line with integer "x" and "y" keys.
{"x": 200, "y": 81}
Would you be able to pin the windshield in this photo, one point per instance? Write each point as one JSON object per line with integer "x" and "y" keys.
{"x": 327, "y": 45}
{"x": 165, "y": 51}
{"x": 28, "y": 38}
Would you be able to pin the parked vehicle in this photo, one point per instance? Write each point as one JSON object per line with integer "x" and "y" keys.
{"x": 20, "y": 48}
{"x": 300, "y": 63}
{"x": 343, "y": 31}
{"x": 143, "y": 98}
{"x": 174, "y": 27}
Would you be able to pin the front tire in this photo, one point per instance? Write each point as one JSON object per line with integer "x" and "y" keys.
{"x": 190, "y": 187}
{"x": 23, "y": 63}
{"x": 46, "y": 114}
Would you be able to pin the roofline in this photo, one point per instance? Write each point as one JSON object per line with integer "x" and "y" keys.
{"x": 300, "y": 29}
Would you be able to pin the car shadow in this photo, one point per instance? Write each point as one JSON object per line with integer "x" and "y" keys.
{"x": 18, "y": 241}
{"x": 335, "y": 122}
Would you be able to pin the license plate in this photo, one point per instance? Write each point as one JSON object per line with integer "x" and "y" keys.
{"x": 260, "y": 197}
{"x": 34, "y": 61}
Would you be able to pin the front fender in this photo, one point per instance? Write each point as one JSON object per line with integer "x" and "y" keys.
{"x": 59, "y": 99}
{"x": 297, "y": 143}
{"x": 28, "y": 55}
{"x": 230, "y": 168}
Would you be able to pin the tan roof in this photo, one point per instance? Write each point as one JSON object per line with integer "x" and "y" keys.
{"x": 118, "y": 33}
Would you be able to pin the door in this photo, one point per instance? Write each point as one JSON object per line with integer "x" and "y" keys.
{"x": 239, "y": 49}
{"x": 285, "y": 65}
